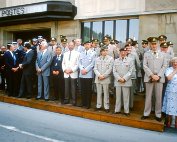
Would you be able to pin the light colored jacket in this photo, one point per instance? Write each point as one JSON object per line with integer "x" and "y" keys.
{"x": 123, "y": 69}
{"x": 103, "y": 67}
{"x": 43, "y": 62}
{"x": 87, "y": 62}
{"x": 72, "y": 63}
{"x": 154, "y": 64}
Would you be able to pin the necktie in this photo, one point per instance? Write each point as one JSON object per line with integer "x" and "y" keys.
{"x": 69, "y": 55}
{"x": 14, "y": 59}
{"x": 86, "y": 53}
{"x": 41, "y": 55}
{"x": 154, "y": 52}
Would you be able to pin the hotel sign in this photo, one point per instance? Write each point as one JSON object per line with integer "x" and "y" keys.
{"x": 21, "y": 10}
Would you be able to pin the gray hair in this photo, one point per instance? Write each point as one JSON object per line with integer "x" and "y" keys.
{"x": 174, "y": 59}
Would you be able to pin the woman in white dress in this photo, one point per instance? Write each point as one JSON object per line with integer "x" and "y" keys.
{"x": 170, "y": 99}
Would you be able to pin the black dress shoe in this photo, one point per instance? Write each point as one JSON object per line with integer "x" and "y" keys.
{"x": 127, "y": 114}
{"x": 65, "y": 102}
{"x": 38, "y": 98}
{"x": 97, "y": 109}
{"x": 107, "y": 110}
{"x": 46, "y": 100}
{"x": 117, "y": 113}
{"x": 159, "y": 119}
{"x": 144, "y": 117}
{"x": 19, "y": 96}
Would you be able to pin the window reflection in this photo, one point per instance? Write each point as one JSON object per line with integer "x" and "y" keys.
{"x": 109, "y": 28}
{"x": 121, "y": 30}
{"x": 134, "y": 29}
{"x": 86, "y": 31}
{"x": 97, "y": 30}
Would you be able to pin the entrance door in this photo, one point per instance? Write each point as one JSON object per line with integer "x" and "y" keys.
{"x": 30, "y": 34}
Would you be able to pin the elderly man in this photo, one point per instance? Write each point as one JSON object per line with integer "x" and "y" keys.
{"x": 154, "y": 65}
{"x": 44, "y": 59}
{"x": 70, "y": 65}
{"x": 103, "y": 68}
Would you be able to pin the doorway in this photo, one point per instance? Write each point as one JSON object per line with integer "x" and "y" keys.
{"x": 30, "y": 34}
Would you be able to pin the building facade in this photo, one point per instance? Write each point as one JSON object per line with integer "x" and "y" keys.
{"x": 87, "y": 19}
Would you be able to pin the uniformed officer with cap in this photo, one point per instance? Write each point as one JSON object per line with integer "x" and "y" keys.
{"x": 154, "y": 65}
{"x": 162, "y": 38}
{"x": 170, "y": 48}
{"x": 64, "y": 45}
{"x": 122, "y": 70}
{"x": 86, "y": 64}
{"x": 103, "y": 70}
{"x": 52, "y": 45}
{"x": 95, "y": 46}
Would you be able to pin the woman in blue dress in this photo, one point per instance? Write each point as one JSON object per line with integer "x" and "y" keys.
{"x": 170, "y": 99}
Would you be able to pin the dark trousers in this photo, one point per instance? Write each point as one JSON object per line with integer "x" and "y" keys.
{"x": 26, "y": 83}
{"x": 58, "y": 86}
{"x": 70, "y": 90}
{"x": 12, "y": 83}
{"x": 2, "y": 86}
{"x": 86, "y": 91}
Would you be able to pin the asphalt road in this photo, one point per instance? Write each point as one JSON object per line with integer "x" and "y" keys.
{"x": 22, "y": 124}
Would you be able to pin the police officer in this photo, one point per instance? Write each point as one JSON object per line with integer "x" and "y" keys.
{"x": 154, "y": 65}
{"x": 86, "y": 64}
{"x": 64, "y": 45}
{"x": 95, "y": 46}
{"x": 103, "y": 70}
{"x": 122, "y": 70}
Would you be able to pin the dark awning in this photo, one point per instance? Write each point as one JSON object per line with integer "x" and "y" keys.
{"x": 37, "y": 12}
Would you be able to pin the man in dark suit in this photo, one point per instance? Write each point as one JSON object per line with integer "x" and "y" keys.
{"x": 2, "y": 67}
{"x": 57, "y": 75}
{"x": 11, "y": 63}
{"x": 28, "y": 68}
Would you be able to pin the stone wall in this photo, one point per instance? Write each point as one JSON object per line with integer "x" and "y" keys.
{"x": 155, "y": 25}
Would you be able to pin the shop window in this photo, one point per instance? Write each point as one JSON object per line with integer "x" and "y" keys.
{"x": 97, "y": 30}
{"x": 86, "y": 31}
{"x": 109, "y": 28}
{"x": 121, "y": 30}
{"x": 134, "y": 28}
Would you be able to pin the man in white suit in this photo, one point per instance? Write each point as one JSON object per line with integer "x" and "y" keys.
{"x": 70, "y": 67}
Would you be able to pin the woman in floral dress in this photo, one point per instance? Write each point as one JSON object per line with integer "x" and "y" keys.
{"x": 170, "y": 99}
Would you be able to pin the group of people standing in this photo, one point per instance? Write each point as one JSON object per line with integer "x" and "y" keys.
{"x": 94, "y": 67}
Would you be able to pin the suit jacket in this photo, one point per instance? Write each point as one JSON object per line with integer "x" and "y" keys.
{"x": 9, "y": 61}
{"x": 103, "y": 67}
{"x": 20, "y": 54}
{"x": 43, "y": 62}
{"x": 28, "y": 63}
{"x": 87, "y": 62}
{"x": 73, "y": 63}
{"x": 57, "y": 65}
{"x": 154, "y": 64}
{"x": 123, "y": 69}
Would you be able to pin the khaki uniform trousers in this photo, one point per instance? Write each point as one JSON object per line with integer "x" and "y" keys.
{"x": 125, "y": 91}
{"x": 157, "y": 86}
{"x": 99, "y": 95}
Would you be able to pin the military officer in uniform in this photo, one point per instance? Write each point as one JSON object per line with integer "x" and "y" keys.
{"x": 170, "y": 48}
{"x": 162, "y": 38}
{"x": 154, "y": 65}
{"x": 103, "y": 69}
{"x": 86, "y": 64}
{"x": 95, "y": 46}
{"x": 122, "y": 70}
{"x": 64, "y": 45}
{"x": 52, "y": 45}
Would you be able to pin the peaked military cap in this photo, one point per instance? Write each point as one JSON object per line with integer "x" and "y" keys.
{"x": 62, "y": 36}
{"x": 169, "y": 43}
{"x": 123, "y": 49}
{"x": 95, "y": 40}
{"x": 162, "y": 37}
{"x": 106, "y": 37}
{"x": 152, "y": 39}
{"x": 86, "y": 42}
{"x": 14, "y": 42}
{"x": 144, "y": 42}
{"x": 64, "y": 40}
{"x": 164, "y": 45}
{"x": 40, "y": 37}
{"x": 53, "y": 39}
{"x": 34, "y": 39}
{"x": 129, "y": 40}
